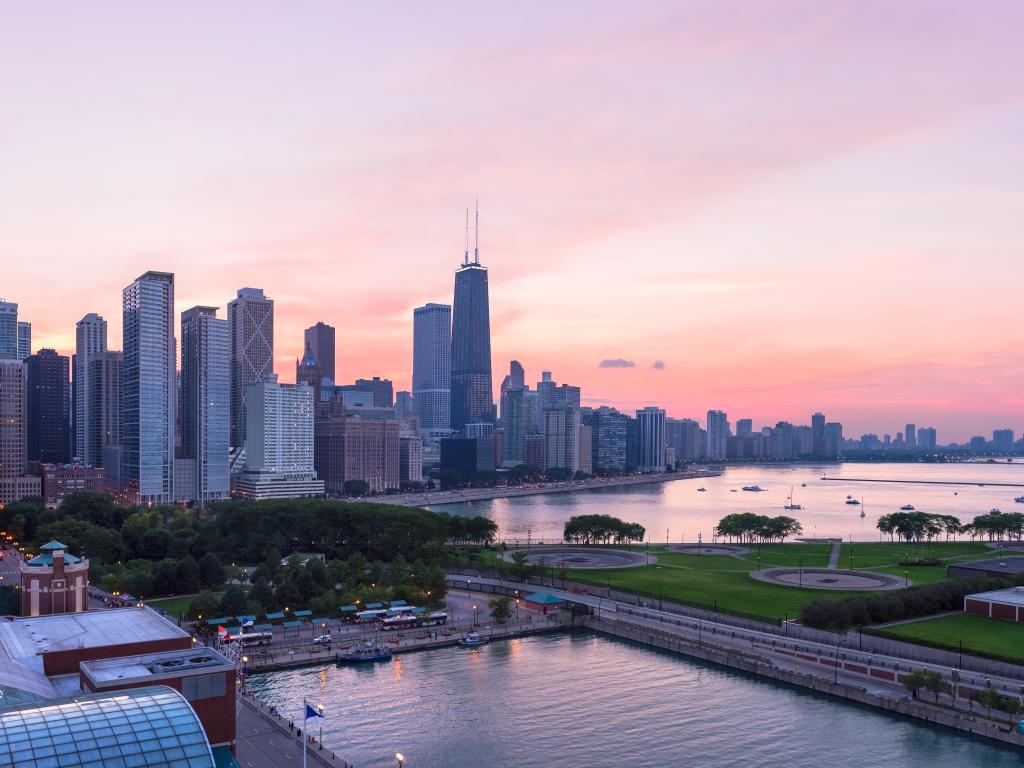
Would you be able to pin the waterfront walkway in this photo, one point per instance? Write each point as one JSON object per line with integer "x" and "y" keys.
{"x": 265, "y": 740}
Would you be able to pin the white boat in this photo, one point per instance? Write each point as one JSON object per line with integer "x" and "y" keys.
{"x": 792, "y": 504}
{"x": 754, "y": 488}
{"x": 852, "y": 501}
{"x": 907, "y": 507}
{"x": 1019, "y": 499}
{"x": 472, "y": 640}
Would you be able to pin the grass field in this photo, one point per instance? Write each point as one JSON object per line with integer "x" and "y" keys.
{"x": 886, "y": 556}
{"x": 991, "y": 637}
{"x": 176, "y": 605}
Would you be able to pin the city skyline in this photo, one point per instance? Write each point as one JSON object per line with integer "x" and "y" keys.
{"x": 660, "y": 230}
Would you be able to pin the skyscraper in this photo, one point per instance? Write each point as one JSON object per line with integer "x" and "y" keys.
{"x": 148, "y": 393}
{"x": 718, "y": 435}
{"x": 926, "y": 439}
{"x": 1002, "y": 440}
{"x": 833, "y": 439}
{"x": 90, "y": 342}
{"x": 205, "y": 401}
{"x": 251, "y": 321}
{"x": 744, "y": 427}
{"x": 471, "y": 396}
{"x": 308, "y": 371}
{"x": 13, "y": 432}
{"x": 8, "y": 330}
{"x": 651, "y": 425}
{"x": 104, "y": 409}
{"x": 432, "y": 365}
{"x": 320, "y": 339}
{"x": 910, "y": 435}
{"x": 516, "y": 379}
{"x": 24, "y": 339}
{"x": 47, "y": 385}
{"x": 818, "y": 434}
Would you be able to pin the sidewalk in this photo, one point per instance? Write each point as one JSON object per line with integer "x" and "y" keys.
{"x": 265, "y": 741}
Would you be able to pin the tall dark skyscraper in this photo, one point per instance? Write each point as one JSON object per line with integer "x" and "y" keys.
{"x": 432, "y": 365}
{"x": 471, "y": 396}
{"x": 251, "y": 322}
{"x": 48, "y": 389}
{"x": 320, "y": 339}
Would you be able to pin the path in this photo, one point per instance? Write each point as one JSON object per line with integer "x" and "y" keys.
{"x": 833, "y": 559}
{"x": 264, "y": 741}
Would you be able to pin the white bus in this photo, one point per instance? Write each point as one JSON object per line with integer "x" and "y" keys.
{"x": 365, "y": 617}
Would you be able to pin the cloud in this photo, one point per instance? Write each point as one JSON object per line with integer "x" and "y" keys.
{"x": 616, "y": 362}
{"x": 658, "y": 365}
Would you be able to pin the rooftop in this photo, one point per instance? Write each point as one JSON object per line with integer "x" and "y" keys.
{"x": 543, "y": 598}
{"x": 1011, "y": 596}
{"x": 155, "y": 666}
{"x": 25, "y": 638}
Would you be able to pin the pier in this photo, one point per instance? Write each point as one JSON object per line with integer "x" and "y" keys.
{"x": 919, "y": 482}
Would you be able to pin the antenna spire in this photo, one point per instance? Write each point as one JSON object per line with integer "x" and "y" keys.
{"x": 476, "y": 241}
{"x": 465, "y": 258}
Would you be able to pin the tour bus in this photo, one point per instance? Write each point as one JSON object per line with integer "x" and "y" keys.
{"x": 251, "y": 638}
{"x": 367, "y": 617}
{"x": 412, "y": 621}
{"x": 402, "y": 610}
{"x": 434, "y": 619}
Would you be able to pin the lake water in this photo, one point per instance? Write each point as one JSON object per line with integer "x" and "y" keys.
{"x": 677, "y": 507}
{"x": 591, "y": 701}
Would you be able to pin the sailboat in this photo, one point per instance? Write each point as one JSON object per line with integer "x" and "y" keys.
{"x": 792, "y": 504}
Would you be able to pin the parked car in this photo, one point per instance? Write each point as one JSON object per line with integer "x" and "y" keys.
{"x": 323, "y": 640}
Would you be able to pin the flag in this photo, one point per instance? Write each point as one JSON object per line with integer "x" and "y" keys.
{"x": 313, "y": 717}
{"x": 221, "y": 632}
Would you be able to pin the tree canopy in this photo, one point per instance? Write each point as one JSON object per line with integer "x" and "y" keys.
{"x": 601, "y": 529}
{"x": 748, "y": 527}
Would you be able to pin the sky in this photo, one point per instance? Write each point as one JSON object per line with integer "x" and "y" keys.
{"x": 769, "y": 208}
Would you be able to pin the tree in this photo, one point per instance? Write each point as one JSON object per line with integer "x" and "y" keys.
{"x": 500, "y": 608}
{"x": 204, "y": 604}
{"x": 155, "y": 543}
{"x": 988, "y": 698}
{"x": 211, "y": 572}
{"x": 914, "y": 682}
{"x": 233, "y": 602}
{"x": 932, "y": 682}
{"x": 355, "y": 488}
{"x": 186, "y": 575}
{"x": 80, "y": 536}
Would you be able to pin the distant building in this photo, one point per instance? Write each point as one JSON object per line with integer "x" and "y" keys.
{"x": 717, "y": 436}
{"x": 910, "y": 435}
{"x": 585, "y": 450}
{"x": 515, "y": 380}
{"x": 278, "y": 443}
{"x": 651, "y": 423}
{"x": 320, "y": 339}
{"x": 926, "y": 438}
{"x": 833, "y": 439}
{"x": 14, "y": 484}
{"x": 349, "y": 447}
{"x": 381, "y": 389}
{"x": 467, "y": 455}
{"x": 686, "y": 438}
{"x": 405, "y": 408}
{"x": 206, "y": 402}
{"x": 103, "y": 432}
{"x": 48, "y": 395}
{"x": 251, "y": 325}
{"x": 978, "y": 444}
{"x": 1002, "y": 440}
{"x": 519, "y": 417}
{"x": 781, "y": 441}
{"x": 432, "y": 365}
{"x": 149, "y": 391}
{"x": 608, "y": 439}
{"x": 410, "y": 458}
{"x": 818, "y": 434}
{"x": 562, "y": 438}
{"x": 744, "y": 427}
{"x": 54, "y": 581}
{"x": 24, "y": 339}
{"x": 90, "y": 343}
{"x": 8, "y": 330}
{"x": 59, "y": 480}
{"x": 1005, "y": 604}
{"x": 308, "y": 371}
{"x": 471, "y": 396}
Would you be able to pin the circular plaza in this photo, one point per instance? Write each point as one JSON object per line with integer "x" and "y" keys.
{"x": 582, "y": 557}
{"x": 828, "y": 578}
{"x": 708, "y": 549}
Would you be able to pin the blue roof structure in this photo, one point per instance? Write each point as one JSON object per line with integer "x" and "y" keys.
{"x": 45, "y": 557}
{"x": 543, "y": 598}
{"x": 151, "y": 726}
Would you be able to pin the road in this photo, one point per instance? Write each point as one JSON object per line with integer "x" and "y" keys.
{"x": 264, "y": 741}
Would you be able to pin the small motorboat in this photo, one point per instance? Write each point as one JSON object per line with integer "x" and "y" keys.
{"x": 753, "y": 488}
{"x": 701, "y": 490}
{"x": 995, "y": 511}
{"x": 367, "y": 652}
{"x": 907, "y": 507}
{"x": 472, "y": 640}
{"x": 852, "y": 501}
{"x": 1019, "y": 499}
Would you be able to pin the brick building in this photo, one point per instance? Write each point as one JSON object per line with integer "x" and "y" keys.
{"x": 54, "y": 581}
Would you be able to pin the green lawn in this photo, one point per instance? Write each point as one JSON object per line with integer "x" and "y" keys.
{"x": 176, "y": 606}
{"x": 886, "y": 556}
{"x": 991, "y": 637}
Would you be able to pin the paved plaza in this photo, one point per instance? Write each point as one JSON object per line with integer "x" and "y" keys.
{"x": 708, "y": 549}
{"x": 581, "y": 557}
{"x": 829, "y": 578}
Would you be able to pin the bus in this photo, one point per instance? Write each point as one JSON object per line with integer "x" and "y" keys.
{"x": 251, "y": 638}
{"x": 366, "y": 617}
{"x": 399, "y": 622}
{"x": 434, "y": 619}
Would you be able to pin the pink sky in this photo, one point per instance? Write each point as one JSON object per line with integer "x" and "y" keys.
{"x": 793, "y": 205}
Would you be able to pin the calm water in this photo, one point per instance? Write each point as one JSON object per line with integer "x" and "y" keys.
{"x": 588, "y": 700}
{"x": 678, "y": 507}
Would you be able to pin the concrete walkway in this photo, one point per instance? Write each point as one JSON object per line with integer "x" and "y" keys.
{"x": 265, "y": 741}
{"x": 833, "y": 559}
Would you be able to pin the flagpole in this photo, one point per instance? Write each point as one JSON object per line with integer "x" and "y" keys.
{"x": 305, "y": 736}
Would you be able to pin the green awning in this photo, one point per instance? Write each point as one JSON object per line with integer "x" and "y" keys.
{"x": 302, "y": 614}
{"x": 262, "y": 627}
{"x": 291, "y": 624}
{"x": 322, "y": 620}
{"x": 397, "y": 603}
{"x": 374, "y": 606}
{"x": 234, "y": 630}
{"x": 349, "y": 608}
{"x": 275, "y": 616}
{"x": 222, "y": 620}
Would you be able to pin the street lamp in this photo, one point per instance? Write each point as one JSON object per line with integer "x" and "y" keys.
{"x": 475, "y": 615}
{"x": 320, "y": 738}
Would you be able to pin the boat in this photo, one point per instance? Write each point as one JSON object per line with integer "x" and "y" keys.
{"x": 852, "y": 501}
{"x": 792, "y": 504}
{"x": 367, "y": 652}
{"x": 472, "y": 640}
{"x": 907, "y": 507}
{"x": 701, "y": 490}
{"x": 754, "y": 488}
{"x": 1019, "y": 499}
{"x": 995, "y": 511}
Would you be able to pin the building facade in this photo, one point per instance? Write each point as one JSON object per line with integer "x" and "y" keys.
{"x": 103, "y": 432}
{"x": 206, "y": 402}
{"x": 54, "y": 582}
{"x": 251, "y": 321}
{"x": 24, "y": 339}
{"x": 320, "y": 339}
{"x": 149, "y": 389}
{"x": 14, "y": 484}
{"x": 471, "y": 395}
{"x": 717, "y": 436}
{"x": 432, "y": 365}
{"x": 353, "y": 448}
{"x": 48, "y": 400}
{"x": 608, "y": 439}
{"x": 90, "y": 342}
{"x": 651, "y": 423}
{"x": 8, "y": 330}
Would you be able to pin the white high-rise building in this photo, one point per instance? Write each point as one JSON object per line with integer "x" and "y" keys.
{"x": 24, "y": 339}
{"x": 562, "y": 427}
{"x": 651, "y": 426}
{"x": 278, "y": 442}
{"x": 148, "y": 391}
{"x": 251, "y": 317}
{"x": 90, "y": 344}
{"x": 205, "y": 403}
{"x": 8, "y": 330}
{"x": 432, "y": 365}
{"x": 717, "y": 436}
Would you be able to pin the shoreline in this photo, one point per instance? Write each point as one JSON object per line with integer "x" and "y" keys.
{"x": 437, "y": 498}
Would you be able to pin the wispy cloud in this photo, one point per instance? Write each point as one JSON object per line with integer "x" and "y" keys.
{"x": 616, "y": 362}
{"x": 658, "y": 365}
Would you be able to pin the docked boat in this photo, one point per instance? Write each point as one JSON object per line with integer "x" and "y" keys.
{"x": 367, "y": 652}
{"x": 852, "y": 501}
{"x": 472, "y": 640}
{"x": 754, "y": 488}
{"x": 907, "y": 507}
{"x": 701, "y": 490}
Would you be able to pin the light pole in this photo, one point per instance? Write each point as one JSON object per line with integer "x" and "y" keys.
{"x": 320, "y": 711}
{"x": 476, "y": 613}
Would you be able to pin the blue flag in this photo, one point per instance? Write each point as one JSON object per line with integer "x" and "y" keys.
{"x": 312, "y": 716}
